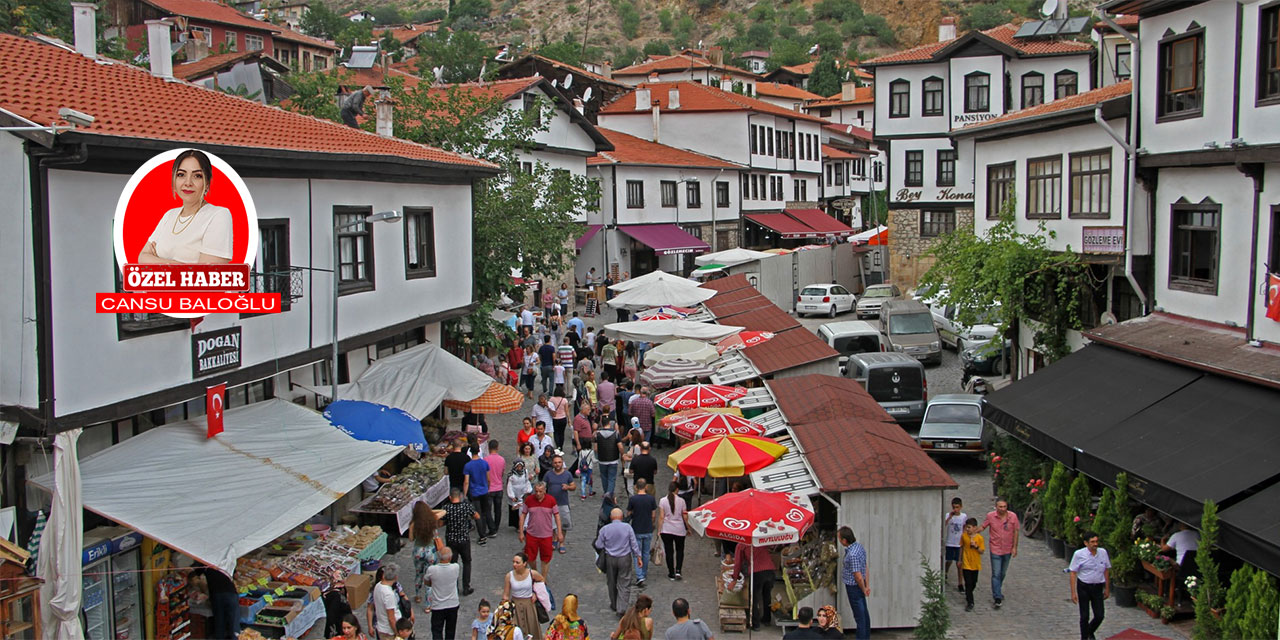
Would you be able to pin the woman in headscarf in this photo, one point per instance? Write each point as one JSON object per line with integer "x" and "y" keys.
{"x": 829, "y": 622}
{"x": 518, "y": 486}
{"x": 504, "y": 623}
{"x": 567, "y": 624}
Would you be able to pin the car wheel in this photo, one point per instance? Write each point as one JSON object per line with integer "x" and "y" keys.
{"x": 831, "y": 313}
{"x": 997, "y": 367}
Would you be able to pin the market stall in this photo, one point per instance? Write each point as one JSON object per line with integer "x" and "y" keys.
{"x": 423, "y": 481}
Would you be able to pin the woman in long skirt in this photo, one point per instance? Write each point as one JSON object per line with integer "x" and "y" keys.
{"x": 518, "y": 589}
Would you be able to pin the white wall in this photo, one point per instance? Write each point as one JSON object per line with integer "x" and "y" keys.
{"x": 562, "y": 131}
{"x": 719, "y": 134}
{"x": 1258, "y": 124}
{"x": 1062, "y": 142}
{"x": 916, "y": 123}
{"x": 993, "y": 66}
{"x": 1107, "y": 67}
{"x": 929, "y": 192}
{"x": 82, "y": 263}
{"x": 895, "y": 527}
{"x": 654, "y": 212}
{"x": 1047, "y": 67}
{"x": 1214, "y": 124}
{"x": 18, "y": 376}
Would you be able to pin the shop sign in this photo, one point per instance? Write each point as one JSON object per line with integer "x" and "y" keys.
{"x": 961, "y": 119}
{"x": 104, "y": 548}
{"x": 1102, "y": 239}
{"x": 215, "y": 351}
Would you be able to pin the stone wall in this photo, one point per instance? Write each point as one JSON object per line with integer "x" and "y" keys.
{"x": 908, "y": 261}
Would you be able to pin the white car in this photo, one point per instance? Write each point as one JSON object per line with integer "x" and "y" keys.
{"x": 824, "y": 298}
{"x": 957, "y": 336}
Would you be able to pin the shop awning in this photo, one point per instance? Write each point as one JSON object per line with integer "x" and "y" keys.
{"x": 819, "y": 221}
{"x": 665, "y": 239}
{"x": 876, "y": 236}
{"x": 275, "y": 465}
{"x": 586, "y": 237}
{"x": 1252, "y": 530}
{"x": 783, "y": 224}
{"x": 416, "y": 380}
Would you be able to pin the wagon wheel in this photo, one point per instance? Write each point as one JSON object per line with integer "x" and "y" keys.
{"x": 1032, "y": 519}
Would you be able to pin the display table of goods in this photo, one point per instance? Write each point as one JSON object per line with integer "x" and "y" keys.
{"x": 422, "y": 481}
{"x": 808, "y": 566}
{"x": 280, "y": 584}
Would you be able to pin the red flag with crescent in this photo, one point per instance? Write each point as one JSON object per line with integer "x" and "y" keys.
{"x": 1273, "y": 296}
{"x": 215, "y": 398}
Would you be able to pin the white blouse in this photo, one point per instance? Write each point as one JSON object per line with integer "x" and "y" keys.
{"x": 209, "y": 232}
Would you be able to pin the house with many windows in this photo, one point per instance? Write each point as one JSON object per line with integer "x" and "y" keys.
{"x": 854, "y": 105}
{"x": 926, "y": 92}
{"x": 1115, "y": 51}
{"x": 302, "y": 52}
{"x": 852, "y": 168}
{"x": 690, "y": 66}
{"x": 212, "y": 23}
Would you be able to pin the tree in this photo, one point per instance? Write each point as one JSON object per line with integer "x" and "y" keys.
{"x": 1105, "y": 520}
{"x": 786, "y": 52}
{"x": 825, "y": 79}
{"x": 387, "y": 14}
{"x": 462, "y": 54}
{"x": 657, "y": 48}
{"x": 683, "y": 32}
{"x": 474, "y": 9}
{"x": 566, "y": 51}
{"x": 665, "y": 21}
{"x": 1016, "y": 273}
{"x": 1075, "y": 516}
{"x": 322, "y": 22}
{"x": 1208, "y": 590}
{"x": 628, "y": 18}
{"x": 935, "y": 617}
{"x": 26, "y": 17}
{"x": 828, "y": 39}
{"x": 984, "y": 16}
{"x": 760, "y": 34}
{"x": 1055, "y": 498}
{"x": 1124, "y": 565}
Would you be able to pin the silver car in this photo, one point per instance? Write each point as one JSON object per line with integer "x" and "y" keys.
{"x": 873, "y": 298}
{"x": 895, "y": 380}
{"x": 953, "y": 425}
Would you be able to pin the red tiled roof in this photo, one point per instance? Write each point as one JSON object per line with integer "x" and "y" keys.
{"x": 831, "y": 153}
{"x": 848, "y": 440}
{"x": 727, "y": 284}
{"x": 37, "y": 79}
{"x": 807, "y": 68}
{"x": 754, "y": 54}
{"x": 679, "y": 62}
{"x": 209, "y": 11}
{"x": 788, "y": 350}
{"x": 205, "y": 66}
{"x": 848, "y": 130}
{"x": 776, "y": 90}
{"x": 1086, "y": 99}
{"x": 410, "y": 32}
{"x": 861, "y": 95}
{"x": 766, "y": 318}
{"x": 629, "y": 149}
{"x": 375, "y": 77}
{"x": 1129, "y": 22}
{"x": 564, "y": 66}
{"x": 301, "y": 38}
{"x": 498, "y": 89}
{"x": 696, "y": 97}
{"x": 722, "y": 300}
{"x": 1002, "y": 34}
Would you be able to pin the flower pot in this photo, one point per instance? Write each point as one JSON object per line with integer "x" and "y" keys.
{"x": 1126, "y": 596}
{"x": 1057, "y": 546}
{"x": 1151, "y": 612}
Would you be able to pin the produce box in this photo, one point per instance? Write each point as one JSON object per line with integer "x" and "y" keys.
{"x": 358, "y": 587}
{"x": 376, "y": 549}
{"x": 249, "y": 612}
{"x": 277, "y": 616}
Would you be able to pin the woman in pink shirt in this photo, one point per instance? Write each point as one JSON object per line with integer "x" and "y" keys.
{"x": 673, "y": 525}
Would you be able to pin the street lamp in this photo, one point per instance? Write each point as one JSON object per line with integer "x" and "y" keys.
{"x": 381, "y": 216}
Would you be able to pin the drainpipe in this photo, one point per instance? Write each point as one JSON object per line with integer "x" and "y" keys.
{"x": 714, "y": 193}
{"x": 1130, "y": 148}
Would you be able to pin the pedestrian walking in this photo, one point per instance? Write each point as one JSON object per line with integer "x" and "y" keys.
{"x": 504, "y": 626}
{"x": 635, "y": 438}
{"x": 455, "y": 462}
{"x": 386, "y": 602}
{"x": 637, "y": 622}
{"x": 443, "y": 579}
{"x": 540, "y": 412}
{"x": 609, "y": 360}
{"x": 952, "y": 529}
{"x": 562, "y": 296}
{"x": 857, "y": 586}
{"x": 673, "y": 526}
{"x": 568, "y": 625}
{"x": 546, "y": 362}
{"x": 1090, "y": 582}
{"x": 589, "y": 383}
{"x": 1003, "y": 543}
{"x": 559, "y": 483}
{"x": 642, "y": 510}
{"x": 558, "y": 373}
{"x": 686, "y": 628}
{"x": 582, "y": 430}
{"x": 540, "y": 440}
{"x": 458, "y": 519}
{"x": 559, "y": 408}
{"x": 529, "y": 368}
{"x": 759, "y": 561}
{"x": 577, "y": 324}
{"x": 583, "y": 439}
{"x": 519, "y": 485}
{"x": 607, "y": 391}
{"x": 608, "y": 448}
{"x": 526, "y": 318}
{"x": 971, "y": 559}
{"x": 644, "y": 466}
{"x": 641, "y": 408}
{"x": 539, "y": 525}
{"x": 497, "y": 470}
{"x": 427, "y": 545}
{"x": 623, "y": 402}
{"x": 484, "y": 618}
{"x": 617, "y": 542}
{"x": 518, "y": 590}
{"x": 476, "y": 487}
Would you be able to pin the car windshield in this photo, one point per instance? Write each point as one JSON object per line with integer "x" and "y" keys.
{"x": 955, "y": 413}
{"x": 857, "y": 344}
{"x": 878, "y": 293}
{"x": 911, "y": 323}
{"x": 813, "y": 291}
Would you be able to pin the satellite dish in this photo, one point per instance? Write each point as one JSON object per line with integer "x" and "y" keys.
{"x": 1048, "y": 8}
{"x": 568, "y": 80}
{"x": 553, "y": 82}
{"x": 586, "y": 95}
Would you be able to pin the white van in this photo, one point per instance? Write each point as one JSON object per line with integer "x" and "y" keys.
{"x": 850, "y": 337}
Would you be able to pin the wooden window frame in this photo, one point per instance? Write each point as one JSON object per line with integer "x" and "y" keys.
{"x": 907, "y": 180}
{"x": 426, "y": 270}
{"x": 259, "y": 284}
{"x": 248, "y": 42}
{"x": 722, "y": 194}
{"x": 1105, "y": 200}
{"x": 973, "y": 91}
{"x": 668, "y": 193}
{"x": 938, "y": 97}
{"x": 693, "y": 194}
{"x": 930, "y": 228}
{"x": 942, "y": 164}
{"x": 1268, "y": 55}
{"x": 1179, "y": 232}
{"x": 1164, "y": 94}
{"x": 1053, "y": 182}
{"x": 1000, "y": 188}
{"x": 636, "y": 202}
{"x": 899, "y": 96}
{"x": 1037, "y": 75}
{"x": 1058, "y": 84}
{"x": 363, "y": 236}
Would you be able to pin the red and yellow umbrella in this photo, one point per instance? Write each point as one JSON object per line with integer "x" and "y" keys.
{"x": 725, "y": 456}
{"x": 498, "y": 398}
{"x": 693, "y": 396}
{"x": 742, "y": 340}
{"x": 716, "y": 424}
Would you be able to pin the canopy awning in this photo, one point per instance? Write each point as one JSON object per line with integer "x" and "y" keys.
{"x": 784, "y": 225}
{"x": 665, "y": 239}
{"x": 416, "y": 380}
{"x": 586, "y": 237}
{"x": 275, "y": 465}
{"x": 667, "y": 330}
{"x": 819, "y": 221}
{"x": 1251, "y": 529}
{"x": 876, "y": 236}
{"x": 731, "y": 257}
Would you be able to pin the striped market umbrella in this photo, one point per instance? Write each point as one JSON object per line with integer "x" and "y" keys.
{"x": 693, "y": 396}
{"x": 754, "y": 517}
{"x": 742, "y": 340}
{"x": 659, "y": 315}
{"x": 498, "y": 398}
{"x": 663, "y": 313}
{"x": 666, "y": 373}
{"x": 672, "y": 419}
{"x": 725, "y": 456}
{"x": 716, "y": 424}
{"x": 694, "y": 350}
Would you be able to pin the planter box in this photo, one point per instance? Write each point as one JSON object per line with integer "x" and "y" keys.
{"x": 1167, "y": 574}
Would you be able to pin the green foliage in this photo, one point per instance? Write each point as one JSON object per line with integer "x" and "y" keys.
{"x": 665, "y": 21}
{"x": 1252, "y": 603}
{"x": 879, "y": 27}
{"x": 1237, "y": 601}
{"x": 797, "y": 15}
{"x": 1017, "y": 464}
{"x": 994, "y": 13}
{"x": 825, "y": 79}
{"x": 760, "y": 34}
{"x": 828, "y": 39}
{"x": 704, "y": 5}
{"x": 315, "y": 93}
{"x": 25, "y": 17}
{"x": 1054, "y": 501}
{"x": 567, "y": 51}
{"x": 322, "y": 22}
{"x": 1119, "y": 541}
{"x": 1208, "y": 591}
{"x": 786, "y": 33}
{"x": 786, "y": 52}
{"x": 387, "y": 14}
{"x": 1105, "y": 520}
{"x": 935, "y": 617}
{"x": 1075, "y": 516}
{"x": 762, "y": 12}
{"x": 473, "y": 9}
{"x": 684, "y": 29}
{"x": 628, "y": 18}
{"x": 657, "y": 48}
{"x": 838, "y": 10}
{"x": 626, "y": 55}
{"x": 242, "y": 91}
{"x": 462, "y": 54}
{"x": 571, "y": 9}
{"x": 428, "y": 14}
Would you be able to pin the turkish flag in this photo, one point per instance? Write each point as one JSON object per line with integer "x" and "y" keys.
{"x": 215, "y": 398}
{"x": 1273, "y": 296}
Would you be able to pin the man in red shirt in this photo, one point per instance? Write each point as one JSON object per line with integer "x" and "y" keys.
{"x": 1003, "y": 543}
{"x": 539, "y": 525}
{"x": 759, "y": 562}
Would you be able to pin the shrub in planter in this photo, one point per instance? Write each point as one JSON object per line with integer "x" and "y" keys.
{"x": 1012, "y": 465}
{"x": 1055, "y": 499}
{"x": 935, "y": 617}
{"x": 1208, "y": 591}
{"x": 1252, "y": 603}
{"x": 1076, "y": 518}
{"x": 1105, "y": 520}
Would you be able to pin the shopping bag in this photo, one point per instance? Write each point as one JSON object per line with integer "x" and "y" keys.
{"x": 657, "y": 555}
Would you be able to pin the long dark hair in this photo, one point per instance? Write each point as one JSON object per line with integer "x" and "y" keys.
{"x": 632, "y": 618}
{"x": 352, "y": 620}
{"x": 671, "y": 496}
{"x": 424, "y": 524}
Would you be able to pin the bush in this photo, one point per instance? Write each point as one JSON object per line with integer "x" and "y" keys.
{"x": 629, "y": 19}
{"x": 935, "y": 617}
{"x": 1124, "y": 564}
{"x": 1252, "y": 603}
{"x": 1054, "y": 501}
{"x": 657, "y": 48}
{"x": 1075, "y": 517}
{"x": 664, "y": 20}
{"x": 1208, "y": 590}
{"x": 1105, "y": 520}
{"x": 1017, "y": 463}
{"x": 760, "y": 34}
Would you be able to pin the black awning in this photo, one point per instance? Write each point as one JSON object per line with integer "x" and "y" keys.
{"x": 1082, "y": 396}
{"x": 1251, "y": 530}
{"x": 1213, "y": 439}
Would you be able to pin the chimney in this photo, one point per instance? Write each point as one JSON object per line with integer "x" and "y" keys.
{"x": 85, "y": 19}
{"x": 196, "y": 49}
{"x": 158, "y": 44}
{"x": 848, "y": 90}
{"x": 947, "y": 29}
{"x": 673, "y": 98}
{"x": 716, "y": 55}
{"x": 384, "y": 108}
{"x": 642, "y": 99}
{"x": 606, "y": 69}
{"x": 657, "y": 120}
{"x": 653, "y": 77}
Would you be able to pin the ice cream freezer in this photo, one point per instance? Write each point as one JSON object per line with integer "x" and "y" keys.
{"x": 112, "y": 595}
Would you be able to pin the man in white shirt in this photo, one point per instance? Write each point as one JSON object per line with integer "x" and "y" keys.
{"x": 526, "y": 318}
{"x": 1186, "y": 539}
{"x": 386, "y": 603}
{"x": 1089, "y": 577}
{"x": 443, "y": 578}
{"x": 541, "y": 412}
{"x": 540, "y": 440}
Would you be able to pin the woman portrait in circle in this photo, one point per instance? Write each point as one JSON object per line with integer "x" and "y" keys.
{"x": 198, "y": 232}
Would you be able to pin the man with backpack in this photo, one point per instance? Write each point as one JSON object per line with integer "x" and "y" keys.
{"x": 608, "y": 449}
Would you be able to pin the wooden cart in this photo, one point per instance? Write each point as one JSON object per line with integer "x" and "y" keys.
{"x": 733, "y": 617}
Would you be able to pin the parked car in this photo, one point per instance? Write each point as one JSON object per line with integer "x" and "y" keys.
{"x": 908, "y": 328}
{"x": 956, "y": 335}
{"x": 895, "y": 380}
{"x": 830, "y": 299}
{"x": 850, "y": 337}
{"x": 874, "y": 297}
{"x": 984, "y": 358}
{"x": 953, "y": 425}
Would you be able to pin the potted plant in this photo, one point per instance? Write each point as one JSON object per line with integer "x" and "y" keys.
{"x": 1054, "y": 505}
{"x": 1167, "y": 613}
{"x": 1150, "y": 602}
{"x": 1124, "y": 564}
{"x": 1076, "y": 518}
{"x": 1206, "y": 590}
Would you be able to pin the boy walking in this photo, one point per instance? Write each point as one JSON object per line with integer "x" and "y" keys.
{"x": 972, "y": 546}
{"x": 952, "y": 528}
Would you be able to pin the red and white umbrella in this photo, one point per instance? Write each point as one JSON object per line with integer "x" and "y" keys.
{"x": 754, "y": 517}
{"x": 663, "y": 313}
{"x": 692, "y": 396}
{"x": 716, "y": 424}
{"x": 742, "y": 340}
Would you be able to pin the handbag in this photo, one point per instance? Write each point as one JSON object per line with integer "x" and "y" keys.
{"x": 543, "y": 616}
{"x": 539, "y": 594}
{"x": 657, "y": 556}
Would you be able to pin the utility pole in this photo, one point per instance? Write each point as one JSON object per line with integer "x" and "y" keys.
{"x": 585, "y": 32}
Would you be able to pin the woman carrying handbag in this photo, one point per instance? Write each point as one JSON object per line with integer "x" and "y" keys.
{"x": 518, "y": 589}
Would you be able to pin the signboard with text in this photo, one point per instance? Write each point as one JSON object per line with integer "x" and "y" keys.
{"x": 215, "y": 351}
{"x": 1102, "y": 239}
